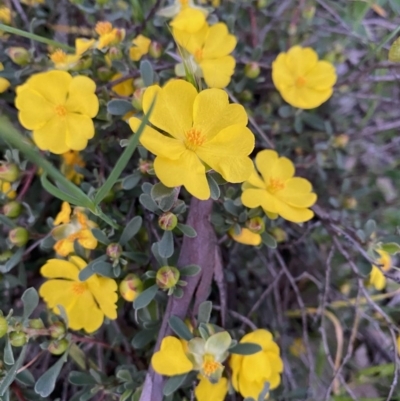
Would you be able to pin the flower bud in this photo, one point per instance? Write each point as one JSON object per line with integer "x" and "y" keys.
{"x": 18, "y": 338}
{"x": 57, "y": 330}
{"x": 4, "y": 256}
{"x": 19, "y": 55}
{"x": 12, "y": 209}
{"x": 350, "y": 203}
{"x": 341, "y": 141}
{"x": 104, "y": 74}
{"x": 155, "y": 49}
{"x": 58, "y": 347}
{"x": 256, "y": 225}
{"x": 279, "y": 234}
{"x": 168, "y": 221}
{"x": 36, "y": 324}
{"x": 262, "y": 4}
{"x": 145, "y": 166}
{"x": 115, "y": 53}
{"x": 252, "y": 70}
{"x": 167, "y": 277}
{"x": 246, "y": 96}
{"x": 9, "y": 172}
{"x": 83, "y": 64}
{"x": 114, "y": 251}
{"x": 3, "y": 326}
{"x": 18, "y": 236}
{"x": 137, "y": 99}
{"x": 130, "y": 287}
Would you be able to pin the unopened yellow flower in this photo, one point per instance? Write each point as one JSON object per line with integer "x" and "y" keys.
{"x": 140, "y": 47}
{"x": 58, "y": 108}
{"x": 64, "y": 61}
{"x": 277, "y": 191}
{"x": 246, "y": 237}
{"x": 71, "y": 228}
{"x": 251, "y": 372}
{"x": 85, "y": 303}
{"x": 5, "y": 15}
{"x": 7, "y": 190}
{"x": 4, "y": 83}
{"x": 301, "y": 79}
{"x": 210, "y": 50}
{"x": 205, "y": 132}
{"x": 71, "y": 160}
{"x": 124, "y": 88}
{"x": 376, "y": 277}
{"x": 108, "y": 35}
{"x": 207, "y": 391}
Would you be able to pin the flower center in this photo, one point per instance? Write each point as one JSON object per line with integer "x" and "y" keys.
{"x": 275, "y": 185}
{"x": 58, "y": 56}
{"x": 78, "y": 288}
{"x": 198, "y": 55}
{"x": 210, "y": 366}
{"x": 103, "y": 27}
{"x": 194, "y": 139}
{"x": 300, "y": 82}
{"x": 60, "y": 110}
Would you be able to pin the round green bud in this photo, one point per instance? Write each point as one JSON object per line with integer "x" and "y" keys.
{"x": 6, "y": 255}
{"x": 36, "y": 324}
{"x": 252, "y": 70}
{"x": 18, "y": 236}
{"x": 155, "y": 49}
{"x": 145, "y": 166}
{"x": 114, "y": 251}
{"x": 9, "y": 172}
{"x": 58, "y": 347}
{"x": 12, "y": 209}
{"x": 137, "y": 99}
{"x": 168, "y": 221}
{"x": 167, "y": 277}
{"x": 3, "y": 326}
{"x": 57, "y": 330}
{"x": 256, "y": 225}
{"x": 19, "y": 55}
{"x": 115, "y": 53}
{"x": 130, "y": 287}
{"x": 104, "y": 73}
{"x": 18, "y": 338}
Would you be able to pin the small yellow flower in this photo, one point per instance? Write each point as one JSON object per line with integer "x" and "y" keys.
{"x": 205, "y": 132}
{"x": 71, "y": 228}
{"x": 246, "y": 237}
{"x": 301, "y": 79}
{"x": 278, "y": 192}
{"x": 71, "y": 160}
{"x": 377, "y": 278}
{"x": 209, "y": 50}
{"x": 58, "y": 108}
{"x": 4, "y": 83}
{"x": 207, "y": 391}
{"x": 297, "y": 348}
{"x": 64, "y": 61}
{"x": 5, "y": 15}
{"x": 140, "y": 48}
{"x": 7, "y": 190}
{"x": 108, "y": 35}
{"x": 85, "y": 303}
{"x": 82, "y": 45}
{"x": 124, "y": 88}
{"x": 251, "y": 372}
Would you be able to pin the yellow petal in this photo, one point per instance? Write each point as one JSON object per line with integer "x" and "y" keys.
{"x": 218, "y": 72}
{"x": 246, "y": 237}
{"x": 265, "y": 161}
{"x": 57, "y": 268}
{"x": 212, "y": 112}
{"x": 322, "y": 76}
{"x": 254, "y": 181}
{"x": 300, "y": 60}
{"x": 104, "y": 291}
{"x": 52, "y": 136}
{"x": 87, "y": 239}
{"x": 157, "y": 143}
{"x": 80, "y": 129}
{"x": 125, "y": 88}
{"x": 192, "y": 42}
{"x": 64, "y": 247}
{"x": 250, "y": 388}
{"x": 78, "y": 262}
{"x": 207, "y": 391}
{"x": 57, "y": 292}
{"x": 141, "y": 47}
{"x": 227, "y": 153}
{"x": 293, "y": 214}
{"x": 297, "y": 199}
{"x": 174, "y": 106}
{"x": 275, "y": 361}
{"x": 189, "y": 20}
{"x": 64, "y": 215}
{"x": 261, "y": 337}
{"x": 282, "y": 76}
{"x": 256, "y": 367}
{"x": 377, "y": 279}
{"x": 171, "y": 359}
{"x": 81, "y": 96}
{"x": 304, "y": 97}
{"x": 4, "y": 84}
{"x": 253, "y": 198}
{"x": 218, "y": 42}
{"x": 283, "y": 169}
{"x": 82, "y": 45}
{"x": 187, "y": 171}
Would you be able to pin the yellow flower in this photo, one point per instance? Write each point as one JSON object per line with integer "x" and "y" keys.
{"x": 5, "y": 15}
{"x": 189, "y": 20}
{"x": 125, "y": 88}
{"x": 4, "y": 83}
{"x": 206, "y": 391}
{"x": 140, "y": 48}
{"x": 85, "y": 303}
{"x": 171, "y": 360}
{"x": 246, "y": 237}
{"x": 209, "y": 51}
{"x": 206, "y": 132}
{"x": 377, "y": 278}
{"x": 179, "y": 6}
{"x": 251, "y": 372}
{"x": 70, "y": 228}
{"x": 64, "y": 61}
{"x": 301, "y": 79}
{"x": 71, "y": 160}
{"x": 278, "y": 192}
{"x": 108, "y": 35}
{"x": 7, "y": 190}
{"x": 58, "y": 108}
{"x": 82, "y": 45}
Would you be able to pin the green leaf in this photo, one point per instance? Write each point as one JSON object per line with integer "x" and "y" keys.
{"x": 166, "y": 245}
{"x": 8, "y": 356}
{"x": 148, "y": 202}
{"x": 147, "y": 73}
{"x": 30, "y": 300}
{"x": 4, "y": 220}
{"x": 130, "y": 230}
{"x": 100, "y": 236}
{"x": 119, "y": 107}
{"x": 143, "y": 338}
{"x": 245, "y": 349}
{"x": 126, "y": 395}
{"x": 154, "y": 249}
{"x": 81, "y": 378}
{"x": 12, "y": 373}
{"x": 205, "y": 310}
{"x": 103, "y": 268}
{"x": 180, "y": 328}
{"x": 173, "y": 384}
{"x": 364, "y": 267}
{"x": 88, "y": 271}
{"x": 190, "y": 270}
{"x": 214, "y": 188}
{"x": 370, "y": 227}
{"x": 262, "y": 396}
{"x": 187, "y": 230}
{"x": 131, "y": 181}
{"x": 145, "y": 297}
{"x": 392, "y": 248}
{"x": 46, "y": 383}
{"x": 25, "y": 378}
{"x": 268, "y": 240}
{"x": 163, "y": 196}
{"x": 123, "y": 159}
{"x": 13, "y": 261}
